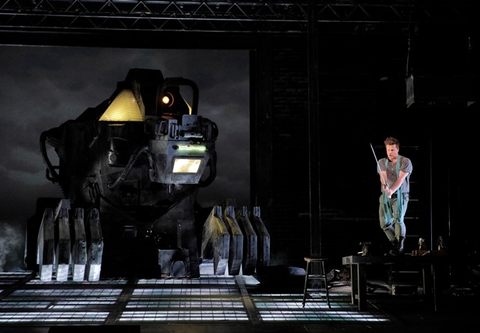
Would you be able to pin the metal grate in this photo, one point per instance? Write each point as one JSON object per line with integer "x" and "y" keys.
{"x": 210, "y": 299}
{"x": 288, "y": 307}
{"x": 184, "y": 315}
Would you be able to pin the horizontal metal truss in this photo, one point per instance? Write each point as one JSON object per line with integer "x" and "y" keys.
{"x": 223, "y": 16}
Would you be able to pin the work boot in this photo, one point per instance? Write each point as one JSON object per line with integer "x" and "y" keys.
{"x": 394, "y": 247}
{"x": 398, "y": 249}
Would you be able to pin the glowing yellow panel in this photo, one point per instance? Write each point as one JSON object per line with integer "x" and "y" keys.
{"x": 186, "y": 165}
{"x": 124, "y": 107}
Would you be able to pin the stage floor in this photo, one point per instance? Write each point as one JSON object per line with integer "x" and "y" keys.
{"x": 209, "y": 303}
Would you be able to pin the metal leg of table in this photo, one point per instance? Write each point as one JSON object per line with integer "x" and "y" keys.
{"x": 353, "y": 284}
{"x": 358, "y": 286}
{"x": 361, "y": 287}
{"x": 430, "y": 285}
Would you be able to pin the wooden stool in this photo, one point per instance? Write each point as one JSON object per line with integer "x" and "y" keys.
{"x": 315, "y": 271}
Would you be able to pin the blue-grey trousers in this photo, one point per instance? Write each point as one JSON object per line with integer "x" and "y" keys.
{"x": 393, "y": 227}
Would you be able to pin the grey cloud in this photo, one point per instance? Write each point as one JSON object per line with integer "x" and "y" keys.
{"x": 42, "y": 87}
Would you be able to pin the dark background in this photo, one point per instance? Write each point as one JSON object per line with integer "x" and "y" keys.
{"x": 319, "y": 94}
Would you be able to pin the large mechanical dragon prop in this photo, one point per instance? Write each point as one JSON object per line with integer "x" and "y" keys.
{"x": 130, "y": 170}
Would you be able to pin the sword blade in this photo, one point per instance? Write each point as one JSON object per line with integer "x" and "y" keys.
{"x": 378, "y": 166}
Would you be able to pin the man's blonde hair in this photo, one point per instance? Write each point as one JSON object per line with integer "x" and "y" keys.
{"x": 391, "y": 141}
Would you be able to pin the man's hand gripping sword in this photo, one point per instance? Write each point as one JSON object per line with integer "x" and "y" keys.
{"x": 385, "y": 185}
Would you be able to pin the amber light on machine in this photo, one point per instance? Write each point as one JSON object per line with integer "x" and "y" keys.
{"x": 186, "y": 165}
{"x": 124, "y": 108}
{"x": 167, "y": 99}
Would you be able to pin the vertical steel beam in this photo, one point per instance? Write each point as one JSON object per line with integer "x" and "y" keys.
{"x": 313, "y": 129}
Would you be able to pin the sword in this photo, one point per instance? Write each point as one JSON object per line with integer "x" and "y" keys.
{"x": 378, "y": 167}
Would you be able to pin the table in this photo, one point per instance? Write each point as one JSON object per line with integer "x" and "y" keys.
{"x": 358, "y": 264}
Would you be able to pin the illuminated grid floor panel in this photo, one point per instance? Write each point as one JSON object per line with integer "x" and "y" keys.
{"x": 52, "y": 317}
{"x": 9, "y": 278}
{"x": 327, "y": 316}
{"x": 203, "y": 280}
{"x": 36, "y": 281}
{"x": 184, "y": 315}
{"x": 294, "y": 301}
{"x": 26, "y": 300}
{"x": 208, "y": 298}
{"x": 289, "y": 307}
{"x": 27, "y": 293}
{"x": 190, "y": 302}
{"x": 58, "y": 305}
{"x": 185, "y": 291}
{"x": 15, "y": 275}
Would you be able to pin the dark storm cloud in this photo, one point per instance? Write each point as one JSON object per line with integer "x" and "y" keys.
{"x": 42, "y": 87}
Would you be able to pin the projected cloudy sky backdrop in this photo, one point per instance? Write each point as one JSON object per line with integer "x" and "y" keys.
{"x": 42, "y": 87}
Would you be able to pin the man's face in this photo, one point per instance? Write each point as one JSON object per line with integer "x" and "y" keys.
{"x": 392, "y": 152}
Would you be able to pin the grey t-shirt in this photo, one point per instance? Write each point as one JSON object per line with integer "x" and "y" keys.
{"x": 391, "y": 169}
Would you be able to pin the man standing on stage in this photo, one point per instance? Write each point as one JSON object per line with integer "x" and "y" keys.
{"x": 395, "y": 179}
